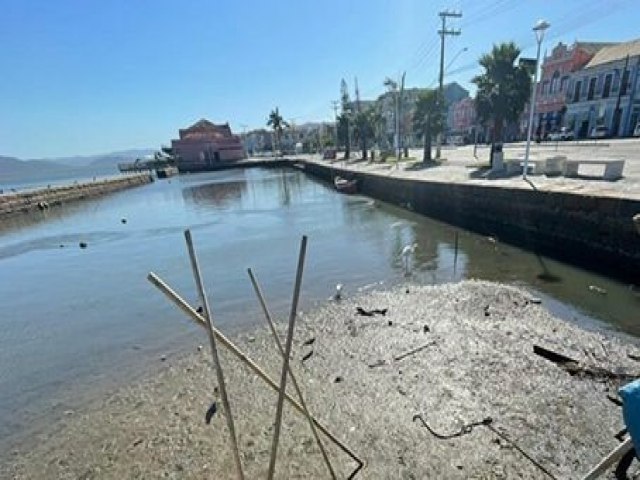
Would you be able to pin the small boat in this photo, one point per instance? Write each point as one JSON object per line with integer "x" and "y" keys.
{"x": 166, "y": 172}
{"x": 345, "y": 186}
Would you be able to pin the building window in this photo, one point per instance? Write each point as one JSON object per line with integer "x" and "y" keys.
{"x": 625, "y": 83}
{"x": 554, "y": 82}
{"x": 563, "y": 83}
{"x": 607, "y": 86}
{"x": 545, "y": 87}
{"x": 615, "y": 85}
{"x": 592, "y": 88}
{"x": 576, "y": 92}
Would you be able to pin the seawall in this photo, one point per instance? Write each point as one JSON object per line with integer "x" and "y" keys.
{"x": 42, "y": 198}
{"x": 592, "y": 231}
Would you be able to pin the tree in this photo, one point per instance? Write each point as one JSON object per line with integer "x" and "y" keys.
{"x": 428, "y": 119}
{"x": 278, "y": 124}
{"x": 343, "y": 133}
{"x": 364, "y": 128}
{"x": 344, "y": 120}
{"x": 503, "y": 88}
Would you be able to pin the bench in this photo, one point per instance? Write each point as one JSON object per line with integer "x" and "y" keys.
{"x": 612, "y": 168}
{"x": 547, "y": 166}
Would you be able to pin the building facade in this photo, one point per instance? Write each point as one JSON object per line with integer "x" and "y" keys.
{"x": 464, "y": 116}
{"x": 556, "y": 71}
{"x": 606, "y": 93}
{"x": 204, "y": 144}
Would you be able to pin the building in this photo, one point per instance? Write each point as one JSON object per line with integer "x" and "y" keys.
{"x": 453, "y": 93}
{"x": 464, "y": 116}
{"x": 606, "y": 93}
{"x": 204, "y": 144}
{"x": 556, "y": 70}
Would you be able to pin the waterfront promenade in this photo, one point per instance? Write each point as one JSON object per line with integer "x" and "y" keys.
{"x": 460, "y": 166}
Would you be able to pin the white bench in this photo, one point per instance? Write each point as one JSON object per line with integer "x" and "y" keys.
{"x": 548, "y": 166}
{"x": 612, "y": 168}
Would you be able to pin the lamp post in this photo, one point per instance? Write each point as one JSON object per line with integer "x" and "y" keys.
{"x": 539, "y": 28}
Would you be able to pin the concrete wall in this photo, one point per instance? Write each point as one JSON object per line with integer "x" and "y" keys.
{"x": 24, "y": 202}
{"x": 595, "y": 232}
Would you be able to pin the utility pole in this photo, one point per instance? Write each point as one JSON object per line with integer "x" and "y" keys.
{"x": 444, "y": 32}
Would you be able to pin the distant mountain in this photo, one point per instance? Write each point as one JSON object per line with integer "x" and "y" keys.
{"x": 20, "y": 173}
{"x": 104, "y": 159}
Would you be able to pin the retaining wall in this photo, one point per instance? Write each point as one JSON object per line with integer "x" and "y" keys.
{"x": 27, "y": 201}
{"x": 595, "y": 232}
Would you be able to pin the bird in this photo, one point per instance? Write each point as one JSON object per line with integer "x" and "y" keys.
{"x": 338, "y": 294}
{"x": 406, "y": 253}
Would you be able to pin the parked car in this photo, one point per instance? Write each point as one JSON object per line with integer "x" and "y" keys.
{"x": 563, "y": 134}
{"x": 600, "y": 132}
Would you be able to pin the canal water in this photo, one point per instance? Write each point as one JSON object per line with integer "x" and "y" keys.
{"x": 73, "y": 318}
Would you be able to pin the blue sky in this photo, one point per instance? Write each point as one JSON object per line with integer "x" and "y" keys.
{"x": 87, "y": 76}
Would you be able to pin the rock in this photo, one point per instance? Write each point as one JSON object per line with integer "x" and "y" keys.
{"x": 338, "y": 379}
{"x": 426, "y": 329}
{"x": 123, "y": 220}
{"x": 390, "y": 323}
{"x": 83, "y": 244}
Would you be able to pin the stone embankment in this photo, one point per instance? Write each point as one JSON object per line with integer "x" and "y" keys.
{"x": 43, "y": 198}
{"x": 580, "y": 227}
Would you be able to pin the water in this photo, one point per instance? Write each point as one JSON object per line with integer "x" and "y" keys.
{"x": 73, "y": 318}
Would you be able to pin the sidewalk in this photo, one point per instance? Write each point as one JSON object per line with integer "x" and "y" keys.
{"x": 460, "y": 166}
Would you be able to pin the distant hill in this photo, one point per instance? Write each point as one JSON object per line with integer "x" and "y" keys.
{"x": 19, "y": 173}
{"x": 104, "y": 159}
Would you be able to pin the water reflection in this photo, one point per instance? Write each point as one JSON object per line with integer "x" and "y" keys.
{"x": 218, "y": 194}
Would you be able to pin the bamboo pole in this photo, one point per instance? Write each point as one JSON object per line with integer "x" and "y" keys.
{"x": 199, "y": 320}
{"x": 615, "y": 455}
{"x": 214, "y": 351}
{"x": 287, "y": 356}
{"x": 296, "y": 386}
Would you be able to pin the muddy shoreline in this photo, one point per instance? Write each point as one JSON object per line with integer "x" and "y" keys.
{"x": 473, "y": 359}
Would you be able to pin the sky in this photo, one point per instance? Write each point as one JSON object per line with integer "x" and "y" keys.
{"x": 82, "y": 77}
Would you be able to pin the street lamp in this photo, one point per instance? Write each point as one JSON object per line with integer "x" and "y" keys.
{"x": 538, "y": 29}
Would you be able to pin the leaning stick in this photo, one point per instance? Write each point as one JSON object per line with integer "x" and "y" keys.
{"x": 199, "y": 320}
{"x": 214, "y": 351}
{"x": 276, "y": 337}
{"x": 287, "y": 353}
{"x": 615, "y": 455}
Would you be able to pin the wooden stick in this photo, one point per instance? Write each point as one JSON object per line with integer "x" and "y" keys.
{"x": 272, "y": 327}
{"x": 415, "y": 350}
{"x": 615, "y": 455}
{"x": 287, "y": 356}
{"x": 214, "y": 351}
{"x": 254, "y": 367}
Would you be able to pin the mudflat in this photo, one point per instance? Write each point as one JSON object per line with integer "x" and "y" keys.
{"x": 454, "y": 354}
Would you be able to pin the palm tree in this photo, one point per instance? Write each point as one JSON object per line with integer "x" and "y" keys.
{"x": 278, "y": 124}
{"x": 364, "y": 128}
{"x": 503, "y": 88}
{"x": 428, "y": 119}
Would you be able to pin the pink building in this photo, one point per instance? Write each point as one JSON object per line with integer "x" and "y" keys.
{"x": 464, "y": 116}
{"x": 552, "y": 88}
{"x": 205, "y": 144}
